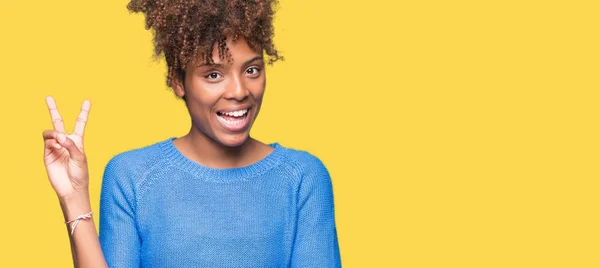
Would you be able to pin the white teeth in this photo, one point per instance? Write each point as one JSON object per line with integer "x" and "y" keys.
{"x": 232, "y": 122}
{"x": 237, "y": 113}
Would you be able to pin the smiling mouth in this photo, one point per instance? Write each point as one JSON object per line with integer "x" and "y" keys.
{"x": 234, "y": 114}
{"x": 234, "y": 120}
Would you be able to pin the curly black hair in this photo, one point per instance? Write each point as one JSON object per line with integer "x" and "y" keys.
{"x": 186, "y": 30}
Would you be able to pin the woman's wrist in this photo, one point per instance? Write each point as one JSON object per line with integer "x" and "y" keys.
{"x": 76, "y": 204}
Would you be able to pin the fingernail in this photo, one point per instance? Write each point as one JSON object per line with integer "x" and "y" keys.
{"x": 61, "y": 137}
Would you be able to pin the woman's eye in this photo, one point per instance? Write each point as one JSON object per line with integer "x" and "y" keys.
{"x": 213, "y": 76}
{"x": 252, "y": 71}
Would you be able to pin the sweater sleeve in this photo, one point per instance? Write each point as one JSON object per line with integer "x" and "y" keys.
{"x": 316, "y": 241}
{"x": 119, "y": 236}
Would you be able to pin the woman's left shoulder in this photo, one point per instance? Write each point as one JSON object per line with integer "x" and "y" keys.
{"x": 305, "y": 161}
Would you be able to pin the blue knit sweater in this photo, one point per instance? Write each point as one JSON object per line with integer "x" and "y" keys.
{"x": 158, "y": 208}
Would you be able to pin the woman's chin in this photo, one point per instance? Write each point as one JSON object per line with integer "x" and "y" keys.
{"x": 234, "y": 140}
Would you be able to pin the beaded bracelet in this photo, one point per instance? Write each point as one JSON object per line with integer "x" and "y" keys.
{"x": 76, "y": 221}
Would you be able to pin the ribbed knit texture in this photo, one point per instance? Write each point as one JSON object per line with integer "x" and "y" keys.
{"x": 158, "y": 208}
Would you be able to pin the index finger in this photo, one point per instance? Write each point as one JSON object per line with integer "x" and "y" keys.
{"x": 57, "y": 121}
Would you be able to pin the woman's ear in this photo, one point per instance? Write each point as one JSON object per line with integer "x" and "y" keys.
{"x": 178, "y": 86}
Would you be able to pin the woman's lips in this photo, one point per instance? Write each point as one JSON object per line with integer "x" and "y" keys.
{"x": 233, "y": 123}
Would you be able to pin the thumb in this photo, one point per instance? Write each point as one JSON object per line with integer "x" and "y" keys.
{"x": 68, "y": 144}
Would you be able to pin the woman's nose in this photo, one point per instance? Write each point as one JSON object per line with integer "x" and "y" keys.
{"x": 236, "y": 89}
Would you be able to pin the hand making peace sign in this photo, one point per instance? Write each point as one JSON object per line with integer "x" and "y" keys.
{"x": 64, "y": 157}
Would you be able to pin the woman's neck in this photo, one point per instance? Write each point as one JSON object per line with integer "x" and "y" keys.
{"x": 206, "y": 151}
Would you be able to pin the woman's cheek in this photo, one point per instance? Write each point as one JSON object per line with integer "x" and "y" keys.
{"x": 212, "y": 88}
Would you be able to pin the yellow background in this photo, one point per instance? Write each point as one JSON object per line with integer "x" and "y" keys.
{"x": 457, "y": 133}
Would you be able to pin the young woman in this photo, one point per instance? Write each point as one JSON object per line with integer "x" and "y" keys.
{"x": 215, "y": 197}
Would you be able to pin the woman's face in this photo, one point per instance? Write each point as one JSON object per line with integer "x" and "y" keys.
{"x": 223, "y": 99}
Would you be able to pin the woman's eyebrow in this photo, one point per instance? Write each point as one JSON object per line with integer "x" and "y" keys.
{"x": 253, "y": 59}
{"x": 213, "y": 65}
{"x": 219, "y": 65}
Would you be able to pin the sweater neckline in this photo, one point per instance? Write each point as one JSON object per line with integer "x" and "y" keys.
{"x": 177, "y": 159}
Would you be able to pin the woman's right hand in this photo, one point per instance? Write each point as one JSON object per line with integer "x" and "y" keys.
{"x": 64, "y": 157}
{"x": 67, "y": 169}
